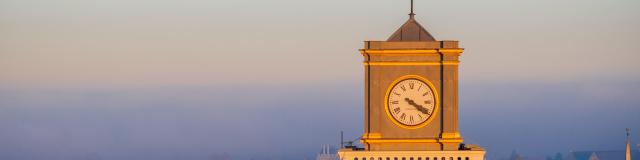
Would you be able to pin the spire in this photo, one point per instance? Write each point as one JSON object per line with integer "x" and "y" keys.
{"x": 628, "y": 141}
{"x": 593, "y": 156}
{"x": 411, "y": 30}
{"x": 411, "y": 14}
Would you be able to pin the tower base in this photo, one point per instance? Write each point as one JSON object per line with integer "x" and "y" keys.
{"x": 348, "y": 154}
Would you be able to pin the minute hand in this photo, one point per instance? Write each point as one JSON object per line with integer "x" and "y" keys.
{"x": 417, "y": 106}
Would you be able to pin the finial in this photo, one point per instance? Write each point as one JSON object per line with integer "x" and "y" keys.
{"x": 411, "y": 14}
{"x": 628, "y": 135}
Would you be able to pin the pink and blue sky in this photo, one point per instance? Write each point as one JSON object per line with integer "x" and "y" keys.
{"x": 166, "y": 79}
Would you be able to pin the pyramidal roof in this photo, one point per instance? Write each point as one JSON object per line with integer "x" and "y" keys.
{"x": 411, "y": 31}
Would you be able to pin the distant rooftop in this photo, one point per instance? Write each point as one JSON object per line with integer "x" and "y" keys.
{"x": 603, "y": 155}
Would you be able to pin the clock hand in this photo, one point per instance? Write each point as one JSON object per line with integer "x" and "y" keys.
{"x": 412, "y": 103}
{"x": 417, "y": 106}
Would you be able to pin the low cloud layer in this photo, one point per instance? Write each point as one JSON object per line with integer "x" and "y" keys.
{"x": 273, "y": 123}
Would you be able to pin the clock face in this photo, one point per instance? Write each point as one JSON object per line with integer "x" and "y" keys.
{"x": 411, "y": 102}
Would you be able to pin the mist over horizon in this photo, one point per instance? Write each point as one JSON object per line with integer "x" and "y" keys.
{"x": 272, "y": 123}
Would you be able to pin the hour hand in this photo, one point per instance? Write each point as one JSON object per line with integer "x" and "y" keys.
{"x": 417, "y": 106}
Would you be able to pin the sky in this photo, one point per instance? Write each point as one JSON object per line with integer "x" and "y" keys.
{"x": 276, "y": 79}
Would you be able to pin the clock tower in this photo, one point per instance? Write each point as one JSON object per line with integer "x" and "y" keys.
{"x": 411, "y": 98}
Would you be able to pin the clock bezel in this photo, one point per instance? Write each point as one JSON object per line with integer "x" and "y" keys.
{"x": 436, "y": 107}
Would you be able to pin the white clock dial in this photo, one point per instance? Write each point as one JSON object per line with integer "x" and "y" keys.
{"x": 411, "y": 102}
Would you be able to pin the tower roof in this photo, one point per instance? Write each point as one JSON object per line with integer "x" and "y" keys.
{"x": 411, "y": 31}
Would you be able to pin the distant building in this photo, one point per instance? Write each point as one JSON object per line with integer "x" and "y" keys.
{"x": 326, "y": 154}
{"x": 602, "y": 155}
{"x": 516, "y": 156}
{"x": 626, "y": 154}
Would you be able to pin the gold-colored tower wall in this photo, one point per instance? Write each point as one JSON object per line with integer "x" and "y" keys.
{"x": 436, "y": 61}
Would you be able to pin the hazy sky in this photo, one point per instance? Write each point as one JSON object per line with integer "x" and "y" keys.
{"x": 163, "y": 79}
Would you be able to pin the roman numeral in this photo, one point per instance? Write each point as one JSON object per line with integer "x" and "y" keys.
{"x": 396, "y": 93}
{"x": 411, "y": 85}
{"x": 427, "y": 102}
{"x": 419, "y": 87}
{"x": 394, "y": 102}
{"x": 403, "y": 88}
{"x": 396, "y": 110}
{"x": 425, "y": 94}
{"x": 411, "y": 119}
{"x": 403, "y": 116}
